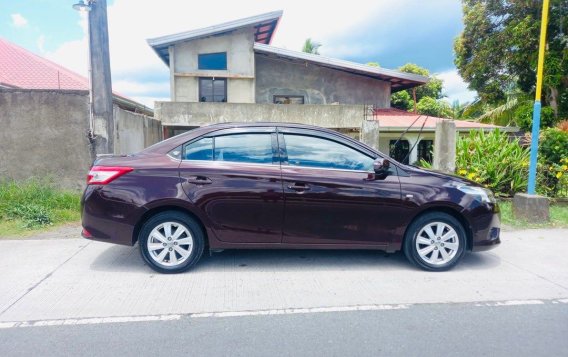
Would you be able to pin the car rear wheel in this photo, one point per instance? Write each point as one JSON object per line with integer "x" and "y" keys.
{"x": 435, "y": 241}
{"x": 171, "y": 242}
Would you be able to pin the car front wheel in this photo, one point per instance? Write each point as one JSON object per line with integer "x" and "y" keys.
{"x": 435, "y": 241}
{"x": 171, "y": 242}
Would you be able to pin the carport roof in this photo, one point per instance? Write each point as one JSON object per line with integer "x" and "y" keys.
{"x": 264, "y": 24}
{"x": 391, "y": 119}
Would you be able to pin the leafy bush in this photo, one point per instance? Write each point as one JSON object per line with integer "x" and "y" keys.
{"x": 553, "y": 162}
{"x": 523, "y": 116}
{"x": 553, "y": 145}
{"x": 493, "y": 160}
{"x": 563, "y": 125}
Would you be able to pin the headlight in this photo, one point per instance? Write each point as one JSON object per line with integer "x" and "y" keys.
{"x": 480, "y": 193}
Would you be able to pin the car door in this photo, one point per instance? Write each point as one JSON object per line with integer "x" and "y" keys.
{"x": 233, "y": 176}
{"x": 329, "y": 196}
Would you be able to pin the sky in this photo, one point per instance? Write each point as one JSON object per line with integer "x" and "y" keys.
{"x": 390, "y": 32}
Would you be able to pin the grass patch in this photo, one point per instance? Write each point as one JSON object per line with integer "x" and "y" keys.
{"x": 34, "y": 205}
{"x": 558, "y": 217}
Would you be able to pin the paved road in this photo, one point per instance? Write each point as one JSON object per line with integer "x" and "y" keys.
{"x": 75, "y": 278}
{"x": 72, "y": 296}
{"x": 426, "y": 330}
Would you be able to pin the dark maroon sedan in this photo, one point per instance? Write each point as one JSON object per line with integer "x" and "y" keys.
{"x": 272, "y": 185}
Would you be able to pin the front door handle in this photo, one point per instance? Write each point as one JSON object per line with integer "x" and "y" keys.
{"x": 199, "y": 180}
{"x": 299, "y": 187}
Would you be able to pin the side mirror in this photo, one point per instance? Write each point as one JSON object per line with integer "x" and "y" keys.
{"x": 381, "y": 166}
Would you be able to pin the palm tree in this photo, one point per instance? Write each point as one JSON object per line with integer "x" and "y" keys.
{"x": 504, "y": 114}
{"x": 457, "y": 109}
{"x": 311, "y": 46}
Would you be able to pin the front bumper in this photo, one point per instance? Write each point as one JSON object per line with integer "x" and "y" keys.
{"x": 486, "y": 230}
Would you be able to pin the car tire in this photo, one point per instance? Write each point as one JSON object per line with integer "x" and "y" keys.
{"x": 171, "y": 242}
{"x": 435, "y": 241}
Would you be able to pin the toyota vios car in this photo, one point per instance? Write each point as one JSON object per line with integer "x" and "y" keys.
{"x": 273, "y": 185}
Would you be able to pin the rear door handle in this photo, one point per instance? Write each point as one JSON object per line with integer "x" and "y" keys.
{"x": 299, "y": 187}
{"x": 199, "y": 180}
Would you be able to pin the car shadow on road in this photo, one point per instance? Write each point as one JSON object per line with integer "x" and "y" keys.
{"x": 128, "y": 259}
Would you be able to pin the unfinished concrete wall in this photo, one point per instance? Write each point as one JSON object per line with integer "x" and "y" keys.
{"x": 240, "y": 66}
{"x": 44, "y": 133}
{"x": 199, "y": 114}
{"x": 318, "y": 85}
{"x": 134, "y": 132}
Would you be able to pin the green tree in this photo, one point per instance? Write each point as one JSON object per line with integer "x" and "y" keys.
{"x": 311, "y": 46}
{"x": 496, "y": 53}
{"x": 431, "y": 90}
{"x": 402, "y": 100}
{"x": 373, "y": 64}
{"x": 434, "y": 107}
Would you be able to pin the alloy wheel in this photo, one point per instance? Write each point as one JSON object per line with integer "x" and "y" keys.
{"x": 170, "y": 244}
{"x": 437, "y": 243}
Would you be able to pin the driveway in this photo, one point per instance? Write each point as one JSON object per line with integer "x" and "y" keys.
{"x": 48, "y": 281}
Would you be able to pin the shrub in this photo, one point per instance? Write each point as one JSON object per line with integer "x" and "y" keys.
{"x": 523, "y": 116}
{"x": 553, "y": 162}
{"x": 563, "y": 125}
{"x": 553, "y": 145}
{"x": 493, "y": 160}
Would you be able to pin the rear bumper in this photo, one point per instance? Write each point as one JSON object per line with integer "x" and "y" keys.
{"x": 106, "y": 219}
{"x": 487, "y": 231}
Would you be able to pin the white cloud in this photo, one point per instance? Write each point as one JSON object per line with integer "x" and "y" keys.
{"x": 149, "y": 101}
{"x": 18, "y": 20}
{"x": 41, "y": 43}
{"x": 136, "y": 88}
{"x": 455, "y": 88}
{"x": 74, "y": 54}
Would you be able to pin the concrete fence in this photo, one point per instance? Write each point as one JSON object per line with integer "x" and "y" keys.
{"x": 43, "y": 133}
{"x": 134, "y": 132}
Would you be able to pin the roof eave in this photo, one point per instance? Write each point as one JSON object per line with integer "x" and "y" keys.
{"x": 509, "y": 129}
{"x": 403, "y": 80}
{"x": 168, "y": 40}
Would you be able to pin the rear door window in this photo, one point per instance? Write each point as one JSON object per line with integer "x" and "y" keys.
{"x": 249, "y": 148}
{"x": 199, "y": 150}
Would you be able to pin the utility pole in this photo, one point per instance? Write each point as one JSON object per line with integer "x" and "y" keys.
{"x": 101, "y": 84}
{"x": 530, "y": 206}
{"x": 101, "y": 119}
{"x": 537, "y": 106}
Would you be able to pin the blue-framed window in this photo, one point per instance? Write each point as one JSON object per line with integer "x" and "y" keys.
{"x": 212, "y": 61}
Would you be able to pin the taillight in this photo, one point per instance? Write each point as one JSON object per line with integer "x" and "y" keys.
{"x": 102, "y": 175}
{"x": 86, "y": 234}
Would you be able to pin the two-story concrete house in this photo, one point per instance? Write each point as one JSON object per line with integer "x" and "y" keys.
{"x": 230, "y": 72}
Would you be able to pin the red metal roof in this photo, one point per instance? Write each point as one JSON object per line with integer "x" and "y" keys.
{"x": 396, "y": 118}
{"x": 20, "y": 68}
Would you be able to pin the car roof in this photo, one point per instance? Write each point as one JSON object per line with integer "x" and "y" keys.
{"x": 170, "y": 143}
